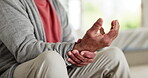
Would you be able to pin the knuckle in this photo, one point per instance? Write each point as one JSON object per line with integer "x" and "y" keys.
{"x": 79, "y": 57}
{"x": 87, "y": 60}
{"x": 88, "y": 55}
{"x": 72, "y": 62}
{"x": 89, "y": 33}
{"x": 107, "y": 44}
{"x": 91, "y": 60}
{"x": 68, "y": 53}
{"x": 77, "y": 54}
{"x": 78, "y": 61}
{"x": 84, "y": 63}
{"x": 75, "y": 59}
{"x": 72, "y": 57}
{"x": 94, "y": 55}
{"x": 84, "y": 60}
{"x": 95, "y": 24}
{"x": 106, "y": 41}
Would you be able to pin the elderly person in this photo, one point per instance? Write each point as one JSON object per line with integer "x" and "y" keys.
{"x": 37, "y": 42}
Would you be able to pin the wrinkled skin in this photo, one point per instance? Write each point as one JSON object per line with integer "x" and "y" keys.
{"x": 83, "y": 52}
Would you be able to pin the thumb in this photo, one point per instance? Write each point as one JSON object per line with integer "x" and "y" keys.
{"x": 88, "y": 54}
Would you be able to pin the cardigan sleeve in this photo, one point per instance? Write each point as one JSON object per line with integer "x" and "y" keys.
{"x": 67, "y": 32}
{"x": 17, "y": 34}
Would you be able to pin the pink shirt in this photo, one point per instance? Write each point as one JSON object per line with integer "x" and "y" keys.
{"x": 50, "y": 21}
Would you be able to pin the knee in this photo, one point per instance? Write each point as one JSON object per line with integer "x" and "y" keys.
{"x": 47, "y": 55}
{"x": 50, "y": 57}
{"x": 47, "y": 64}
{"x": 114, "y": 54}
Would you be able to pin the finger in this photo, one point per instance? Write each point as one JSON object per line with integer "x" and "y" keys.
{"x": 117, "y": 28}
{"x": 110, "y": 35}
{"x": 112, "y": 24}
{"x": 74, "y": 63}
{"x": 71, "y": 61}
{"x": 83, "y": 59}
{"x": 80, "y": 57}
{"x": 102, "y": 31}
{"x": 81, "y": 65}
{"x": 114, "y": 29}
{"x": 107, "y": 39}
{"x": 70, "y": 54}
{"x": 115, "y": 25}
{"x": 87, "y": 54}
{"x": 97, "y": 26}
{"x": 88, "y": 61}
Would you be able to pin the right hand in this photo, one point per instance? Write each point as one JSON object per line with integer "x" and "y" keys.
{"x": 80, "y": 58}
{"x": 93, "y": 40}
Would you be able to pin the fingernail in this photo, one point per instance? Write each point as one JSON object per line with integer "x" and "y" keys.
{"x": 68, "y": 59}
{"x": 75, "y": 51}
{"x": 69, "y": 53}
{"x": 100, "y": 23}
{"x": 82, "y": 53}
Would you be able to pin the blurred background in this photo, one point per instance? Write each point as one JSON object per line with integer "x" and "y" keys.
{"x": 83, "y": 13}
{"x": 133, "y": 18}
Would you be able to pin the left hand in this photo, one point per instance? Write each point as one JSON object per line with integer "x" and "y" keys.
{"x": 93, "y": 41}
{"x": 80, "y": 58}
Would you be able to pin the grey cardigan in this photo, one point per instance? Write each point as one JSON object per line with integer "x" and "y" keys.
{"x": 22, "y": 36}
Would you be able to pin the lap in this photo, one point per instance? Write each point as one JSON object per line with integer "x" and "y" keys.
{"x": 104, "y": 60}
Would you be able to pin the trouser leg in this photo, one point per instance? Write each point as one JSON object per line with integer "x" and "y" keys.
{"x": 109, "y": 63}
{"x": 46, "y": 65}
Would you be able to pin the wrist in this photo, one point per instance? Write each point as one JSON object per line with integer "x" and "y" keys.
{"x": 77, "y": 47}
{"x": 81, "y": 46}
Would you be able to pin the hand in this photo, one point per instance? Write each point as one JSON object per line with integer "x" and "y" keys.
{"x": 80, "y": 58}
{"x": 93, "y": 40}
